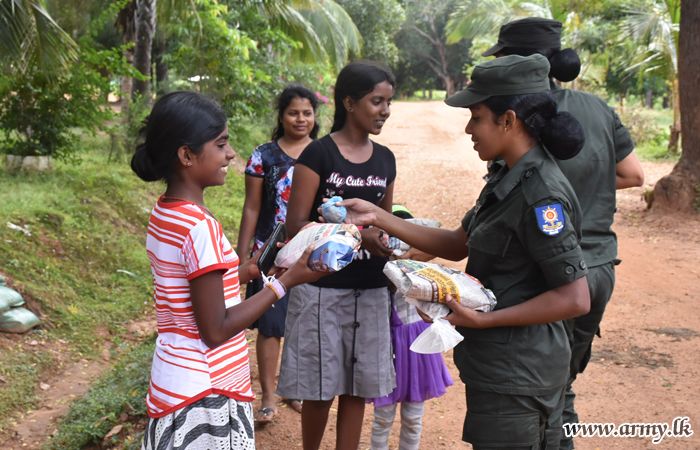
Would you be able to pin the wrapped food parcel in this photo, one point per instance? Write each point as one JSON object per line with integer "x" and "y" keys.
{"x": 335, "y": 246}
{"x": 426, "y": 285}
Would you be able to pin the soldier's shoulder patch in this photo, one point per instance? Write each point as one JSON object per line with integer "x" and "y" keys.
{"x": 550, "y": 219}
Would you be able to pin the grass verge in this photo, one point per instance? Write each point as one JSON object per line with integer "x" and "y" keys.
{"x": 116, "y": 398}
{"x": 84, "y": 267}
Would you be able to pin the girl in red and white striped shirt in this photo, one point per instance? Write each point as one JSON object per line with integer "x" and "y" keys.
{"x": 200, "y": 393}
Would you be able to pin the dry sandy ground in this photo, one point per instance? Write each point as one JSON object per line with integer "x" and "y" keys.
{"x": 644, "y": 367}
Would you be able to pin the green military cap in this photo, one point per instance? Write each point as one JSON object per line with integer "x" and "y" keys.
{"x": 510, "y": 75}
{"x": 531, "y": 32}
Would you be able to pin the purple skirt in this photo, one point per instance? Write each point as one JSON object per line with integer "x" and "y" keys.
{"x": 419, "y": 377}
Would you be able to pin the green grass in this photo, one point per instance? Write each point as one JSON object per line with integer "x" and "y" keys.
{"x": 122, "y": 389}
{"x": 418, "y": 96}
{"x": 22, "y": 369}
{"x": 650, "y": 129}
{"x": 88, "y": 221}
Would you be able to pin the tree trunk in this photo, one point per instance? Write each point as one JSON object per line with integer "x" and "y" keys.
{"x": 125, "y": 25}
{"x": 145, "y": 26}
{"x": 650, "y": 99}
{"x": 676, "y": 127}
{"x": 679, "y": 191}
{"x": 449, "y": 85}
{"x": 622, "y": 103}
{"x": 665, "y": 102}
{"x": 161, "y": 66}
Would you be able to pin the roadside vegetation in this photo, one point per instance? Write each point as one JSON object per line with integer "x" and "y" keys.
{"x": 83, "y": 265}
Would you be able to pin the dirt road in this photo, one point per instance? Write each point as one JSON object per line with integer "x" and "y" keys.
{"x": 643, "y": 368}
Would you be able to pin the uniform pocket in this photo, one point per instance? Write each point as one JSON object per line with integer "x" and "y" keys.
{"x": 489, "y": 239}
{"x": 492, "y": 430}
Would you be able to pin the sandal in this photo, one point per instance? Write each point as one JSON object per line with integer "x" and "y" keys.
{"x": 291, "y": 401}
{"x": 264, "y": 415}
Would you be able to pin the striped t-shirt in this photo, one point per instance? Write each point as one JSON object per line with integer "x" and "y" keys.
{"x": 183, "y": 243}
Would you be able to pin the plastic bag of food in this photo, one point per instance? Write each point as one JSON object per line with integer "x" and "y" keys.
{"x": 335, "y": 246}
{"x": 438, "y": 337}
{"x": 18, "y": 320}
{"x": 426, "y": 285}
{"x": 432, "y": 282}
{"x": 332, "y": 213}
{"x": 12, "y": 297}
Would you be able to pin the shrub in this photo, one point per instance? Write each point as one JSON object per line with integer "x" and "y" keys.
{"x": 37, "y": 112}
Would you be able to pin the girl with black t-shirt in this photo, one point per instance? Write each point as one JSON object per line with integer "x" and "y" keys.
{"x": 337, "y": 340}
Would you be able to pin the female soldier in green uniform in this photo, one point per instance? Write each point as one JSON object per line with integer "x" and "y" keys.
{"x": 607, "y": 162}
{"x": 522, "y": 239}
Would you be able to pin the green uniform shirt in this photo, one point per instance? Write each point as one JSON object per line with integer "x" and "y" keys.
{"x": 592, "y": 172}
{"x": 518, "y": 255}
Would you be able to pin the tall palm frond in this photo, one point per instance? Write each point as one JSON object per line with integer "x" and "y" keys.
{"x": 335, "y": 29}
{"x": 323, "y": 27}
{"x": 287, "y": 18}
{"x": 650, "y": 25}
{"x": 30, "y": 38}
{"x": 474, "y": 18}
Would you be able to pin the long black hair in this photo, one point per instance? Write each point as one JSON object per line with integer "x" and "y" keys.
{"x": 356, "y": 80}
{"x": 565, "y": 65}
{"x": 178, "y": 119}
{"x": 283, "y": 101}
{"x": 560, "y": 132}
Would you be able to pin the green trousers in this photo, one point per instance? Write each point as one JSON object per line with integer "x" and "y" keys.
{"x": 601, "y": 282}
{"x": 515, "y": 422}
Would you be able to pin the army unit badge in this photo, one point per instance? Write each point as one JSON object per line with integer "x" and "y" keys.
{"x": 550, "y": 219}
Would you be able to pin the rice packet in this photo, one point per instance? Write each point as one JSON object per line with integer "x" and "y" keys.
{"x": 426, "y": 285}
{"x": 335, "y": 246}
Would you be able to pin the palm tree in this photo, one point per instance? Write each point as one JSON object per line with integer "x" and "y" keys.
{"x": 145, "y": 29}
{"x": 323, "y": 27}
{"x": 475, "y": 18}
{"x": 678, "y": 190}
{"x": 652, "y": 27}
{"x": 31, "y": 40}
{"x": 125, "y": 25}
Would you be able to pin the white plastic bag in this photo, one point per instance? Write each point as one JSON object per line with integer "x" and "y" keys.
{"x": 438, "y": 337}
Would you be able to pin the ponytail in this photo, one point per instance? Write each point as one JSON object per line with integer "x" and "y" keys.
{"x": 563, "y": 136}
{"x": 565, "y": 65}
{"x": 559, "y": 132}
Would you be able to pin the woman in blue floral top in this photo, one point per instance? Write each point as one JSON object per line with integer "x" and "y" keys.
{"x": 268, "y": 182}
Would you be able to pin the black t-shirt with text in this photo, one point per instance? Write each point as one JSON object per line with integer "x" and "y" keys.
{"x": 367, "y": 181}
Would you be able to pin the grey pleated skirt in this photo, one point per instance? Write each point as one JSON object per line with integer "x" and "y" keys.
{"x": 336, "y": 342}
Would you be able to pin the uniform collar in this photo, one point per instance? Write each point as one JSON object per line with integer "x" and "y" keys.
{"x": 523, "y": 167}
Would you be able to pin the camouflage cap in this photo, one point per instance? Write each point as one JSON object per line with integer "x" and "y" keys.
{"x": 510, "y": 75}
{"x": 531, "y": 32}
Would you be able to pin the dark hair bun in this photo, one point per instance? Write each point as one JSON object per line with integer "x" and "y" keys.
{"x": 142, "y": 165}
{"x": 563, "y": 136}
{"x": 565, "y": 65}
